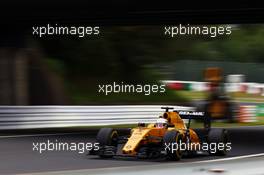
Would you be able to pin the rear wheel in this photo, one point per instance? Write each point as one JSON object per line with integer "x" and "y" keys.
{"x": 219, "y": 138}
{"x": 107, "y": 138}
{"x": 171, "y": 141}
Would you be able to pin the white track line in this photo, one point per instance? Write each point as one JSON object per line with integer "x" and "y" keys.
{"x": 231, "y": 158}
{"x": 37, "y": 135}
{"x": 129, "y": 167}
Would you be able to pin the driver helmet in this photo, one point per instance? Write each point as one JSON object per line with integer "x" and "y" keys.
{"x": 161, "y": 122}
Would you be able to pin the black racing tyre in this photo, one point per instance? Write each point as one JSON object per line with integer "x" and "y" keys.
{"x": 218, "y": 137}
{"x": 107, "y": 137}
{"x": 170, "y": 138}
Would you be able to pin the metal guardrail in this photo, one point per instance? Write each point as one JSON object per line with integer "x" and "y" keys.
{"x": 34, "y": 117}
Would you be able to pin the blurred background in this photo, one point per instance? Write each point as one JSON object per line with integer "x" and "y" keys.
{"x": 68, "y": 69}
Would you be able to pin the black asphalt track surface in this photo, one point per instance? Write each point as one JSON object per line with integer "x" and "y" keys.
{"x": 17, "y": 155}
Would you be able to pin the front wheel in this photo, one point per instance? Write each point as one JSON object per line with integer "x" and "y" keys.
{"x": 107, "y": 139}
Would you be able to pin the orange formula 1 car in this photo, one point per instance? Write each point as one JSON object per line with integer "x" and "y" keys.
{"x": 169, "y": 137}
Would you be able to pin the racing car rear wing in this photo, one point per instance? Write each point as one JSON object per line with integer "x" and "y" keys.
{"x": 191, "y": 114}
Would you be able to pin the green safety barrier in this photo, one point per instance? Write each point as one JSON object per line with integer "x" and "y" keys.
{"x": 260, "y": 112}
{"x": 188, "y": 86}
